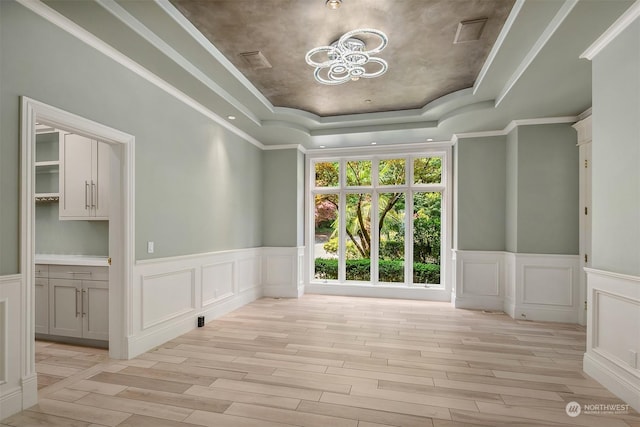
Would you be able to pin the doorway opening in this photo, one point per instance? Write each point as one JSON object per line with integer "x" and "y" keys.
{"x": 121, "y": 220}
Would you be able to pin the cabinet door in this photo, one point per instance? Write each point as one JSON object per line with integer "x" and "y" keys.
{"x": 75, "y": 176}
{"x": 65, "y": 307}
{"x": 100, "y": 182}
{"x": 41, "y": 296}
{"x": 95, "y": 310}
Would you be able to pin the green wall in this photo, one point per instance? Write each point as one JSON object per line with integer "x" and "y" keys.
{"x": 69, "y": 237}
{"x": 519, "y": 193}
{"x": 616, "y": 155}
{"x": 547, "y": 189}
{"x": 283, "y": 193}
{"x": 198, "y": 186}
{"x": 511, "y": 214}
{"x": 480, "y": 165}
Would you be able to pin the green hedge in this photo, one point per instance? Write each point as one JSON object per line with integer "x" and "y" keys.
{"x": 390, "y": 270}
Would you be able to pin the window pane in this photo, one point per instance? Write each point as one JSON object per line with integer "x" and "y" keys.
{"x": 426, "y": 237}
{"x": 326, "y": 237}
{"x": 427, "y": 170}
{"x": 391, "y": 172}
{"x": 358, "y": 230}
{"x": 391, "y": 237}
{"x": 359, "y": 172}
{"x": 327, "y": 174}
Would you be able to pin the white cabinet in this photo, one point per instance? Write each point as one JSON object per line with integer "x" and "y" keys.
{"x": 84, "y": 178}
{"x": 79, "y": 301}
{"x": 42, "y": 299}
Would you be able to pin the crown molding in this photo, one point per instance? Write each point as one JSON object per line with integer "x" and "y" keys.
{"x": 86, "y": 37}
{"x": 626, "y": 19}
{"x": 514, "y": 124}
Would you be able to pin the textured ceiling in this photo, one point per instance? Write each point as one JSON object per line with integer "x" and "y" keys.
{"x": 424, "y": 63}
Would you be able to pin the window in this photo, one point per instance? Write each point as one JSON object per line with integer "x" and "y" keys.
{"x": 379, "y": 219}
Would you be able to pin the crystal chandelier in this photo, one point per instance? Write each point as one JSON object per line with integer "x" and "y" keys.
{"x": 348, "y": 58}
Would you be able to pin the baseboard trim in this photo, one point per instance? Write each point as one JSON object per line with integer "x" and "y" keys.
{"x": 11, "y": 402}
{"x": 613, "y": 378}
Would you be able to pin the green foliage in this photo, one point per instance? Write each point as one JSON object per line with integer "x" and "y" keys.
{"x": 390, "y": 270}
{"x": 392, "y": 172}
{"x": 327, "y": 174}
{"x": 427, "y": 170}
{"x": 359, "y": 172}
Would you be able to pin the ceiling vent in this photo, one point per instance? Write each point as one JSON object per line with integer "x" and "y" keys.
{"x": 255, "y": 60}
{"x": 469, "y": 31}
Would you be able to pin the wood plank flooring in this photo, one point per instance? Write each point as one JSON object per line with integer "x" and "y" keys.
{"x": 331, "y": 361}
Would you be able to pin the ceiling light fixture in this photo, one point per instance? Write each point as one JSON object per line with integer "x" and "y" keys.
{"x": 347, "y": 58}
{"x": 333, "y": 4}
{"x": 231, "y": 117}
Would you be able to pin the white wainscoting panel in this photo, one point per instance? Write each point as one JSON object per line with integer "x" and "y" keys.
{"x": 547, "y": 287}
{"x": 525, "y": 286}
{"x": 166, "y": 296}
{"x": 170, "y": 293}
{"x": 613, "y": 333}
{"x": 510, "y": 284}
{"x": 249, "y": 276}
{"x": 218, "y": 282}
{"x": 282, "y": 271}
{"x": 16, "y": 392}
{"x": 479, "y": 277}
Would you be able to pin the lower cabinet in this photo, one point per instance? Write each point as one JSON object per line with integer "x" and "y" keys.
{"x": 77, "y": 303}
{"x": 42, "y": 299}
{"x": 79, "y": 308}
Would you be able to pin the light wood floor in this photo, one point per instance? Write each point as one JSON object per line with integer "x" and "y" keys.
{"x": 332, "y": 361}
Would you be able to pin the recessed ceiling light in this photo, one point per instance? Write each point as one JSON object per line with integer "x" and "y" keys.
{"x": 429, "y": 139}
{"x": 368, "y": 101}
{"x": 373, "y": 143}
{"x": 333, "y": 4}
{"x": 323, "y": 146}
{"x": 231, "y": 117}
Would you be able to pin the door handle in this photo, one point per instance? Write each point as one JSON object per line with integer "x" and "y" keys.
{"x": 77, "y": 311}
{"x": 94, "y": 195}
{"x": 84, "y": 293}
{"x": 86, "y": 195}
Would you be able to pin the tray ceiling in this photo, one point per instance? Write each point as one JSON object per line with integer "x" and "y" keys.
{"x": 424, "y": 62}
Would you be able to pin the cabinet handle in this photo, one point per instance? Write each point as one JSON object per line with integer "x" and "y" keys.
{"x": 84, "y": 292}
{"x": 77, "y": 311}
{"x": 94, "y": 195}
{"x": 86, "y": 195}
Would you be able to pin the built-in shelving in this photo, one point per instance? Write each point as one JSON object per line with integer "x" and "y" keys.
{"x": 47, "y": 166}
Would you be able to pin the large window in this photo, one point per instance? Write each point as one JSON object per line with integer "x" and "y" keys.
{"x": 378, "y": 220}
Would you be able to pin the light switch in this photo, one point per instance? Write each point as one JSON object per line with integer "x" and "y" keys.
{"x": 150, "y": 247}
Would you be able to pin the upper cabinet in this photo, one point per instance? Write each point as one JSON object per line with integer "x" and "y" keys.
{"x": 84, "y": 178}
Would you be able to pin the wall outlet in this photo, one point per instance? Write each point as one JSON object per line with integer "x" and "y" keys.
{"x": 150, "y": 247}
{"x": 633, "y": 359}
{"x": 200, "y": 321}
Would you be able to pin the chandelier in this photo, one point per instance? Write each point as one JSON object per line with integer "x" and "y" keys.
{"x": 348, "y": 59}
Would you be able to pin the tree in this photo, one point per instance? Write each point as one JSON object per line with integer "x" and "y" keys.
{"x": 391, "y": 207}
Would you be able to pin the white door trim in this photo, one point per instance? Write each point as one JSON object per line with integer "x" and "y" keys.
{"x": 121, "y": 225}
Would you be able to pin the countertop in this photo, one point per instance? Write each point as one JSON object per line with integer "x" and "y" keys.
{"x": 96, "y": 261}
